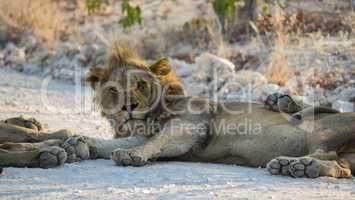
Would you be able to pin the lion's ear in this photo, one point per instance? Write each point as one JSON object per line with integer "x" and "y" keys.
{"x": 161, "y": 68}
{"x": 95, "y": 75}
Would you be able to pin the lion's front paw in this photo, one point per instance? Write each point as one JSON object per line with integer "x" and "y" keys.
{"x": 52, "y": 156}
{"x": 128, "y": 157}
{"x": 77, "y": 149}
{"x": 25, "y": 121}
{"x": 295, "y": 167}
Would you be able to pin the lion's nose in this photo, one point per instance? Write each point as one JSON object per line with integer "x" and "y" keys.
{"x": 124, "y": 108}
{"x": 129, "y": 108}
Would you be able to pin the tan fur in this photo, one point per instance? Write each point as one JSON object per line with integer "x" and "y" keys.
{"x": 280, "y": 142}
{"x": 126, "y": 59}
{"x": 254, "y": 150}
{"x": 188, "y": 130}
{"x": 121, "y": 57}
{"x": 167, "y": 76}
{"x": 23, "y": 143}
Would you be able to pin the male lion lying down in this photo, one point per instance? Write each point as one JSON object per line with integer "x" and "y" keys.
{"x": 154, "y": 120}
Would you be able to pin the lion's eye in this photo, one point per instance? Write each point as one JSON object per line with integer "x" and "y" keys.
{"x": 141, "y": 85}
{"x": 113, "y": 90}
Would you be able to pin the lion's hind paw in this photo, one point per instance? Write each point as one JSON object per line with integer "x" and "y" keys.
{"x": 295, "y": 167}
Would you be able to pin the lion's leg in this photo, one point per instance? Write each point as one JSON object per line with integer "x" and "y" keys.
{"x": 325, "y": 146}
{"x": 45, "y": 154}
{"x": 25, "y": 122}
{"x": 297, "y": 118}
{"x": 286, "y": 104}
{"x": 18, "y": 134}
{"x": 319, "y": 163}
{"x": 173, "y": 141}
{"x": 83, "y": 148}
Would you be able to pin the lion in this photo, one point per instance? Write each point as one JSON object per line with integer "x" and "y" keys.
{"x": 24, "y": 142}
{"x": 154, "y": 120}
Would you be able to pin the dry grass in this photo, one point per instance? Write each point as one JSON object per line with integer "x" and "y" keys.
{"x": 297, "y": 61}
{"x": 330, "y": 80}
{"x": 43, "y": 17}
{"x": 278, "y": 70}
{"x": 184, "y": 43}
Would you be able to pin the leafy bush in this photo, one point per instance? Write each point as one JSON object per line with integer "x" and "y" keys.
{"x": 226, "y": 11}
{"x": 132, "y": 15}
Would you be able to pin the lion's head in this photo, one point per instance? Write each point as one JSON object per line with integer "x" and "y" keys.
{"x": 128, "y": 89}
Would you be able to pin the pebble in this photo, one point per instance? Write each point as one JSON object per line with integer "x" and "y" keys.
{"x": 343, "y": 106}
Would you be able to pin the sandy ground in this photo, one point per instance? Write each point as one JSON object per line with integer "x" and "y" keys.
{"x": 22, "y": 94}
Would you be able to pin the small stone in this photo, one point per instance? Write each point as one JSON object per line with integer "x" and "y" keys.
{"x": 182, "y": 68}
{"x": 270, "y": 89}
{"x": 250, "y": 78}
{"x": 211, "y": 66}
{"x": 343, "y": 106}
{"x": 10, "y": 47}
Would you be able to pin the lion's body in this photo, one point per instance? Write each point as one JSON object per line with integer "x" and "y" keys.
{"x": 256, "y": 140}
{"x": 276, "y": 136}
{"x": 153, "y": 120}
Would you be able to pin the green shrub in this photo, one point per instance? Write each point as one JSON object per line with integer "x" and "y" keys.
{"x": 132, "y": 15}
{"x": 226, "y": 11}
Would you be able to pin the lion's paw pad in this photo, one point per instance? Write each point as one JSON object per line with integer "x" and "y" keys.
{"x": 77, "y": 149}
{"x": 125, "y": 157}
{"x": 279, "y": 165}
{"x": 52, "y": 157}
{"x": 295, "y": 167}
{"x": 305, "y": 167}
